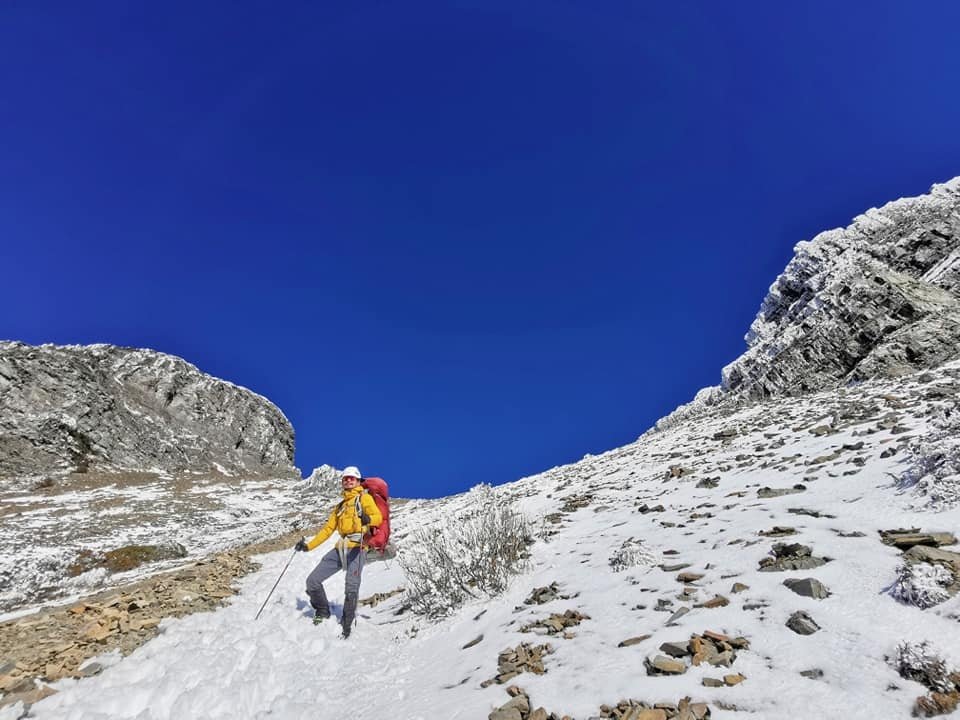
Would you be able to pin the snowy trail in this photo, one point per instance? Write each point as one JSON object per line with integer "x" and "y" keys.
{"x": 225, "y": 665}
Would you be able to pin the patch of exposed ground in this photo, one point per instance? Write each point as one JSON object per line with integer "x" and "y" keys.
{"x": 75, "y": 535}
{"x": 55, "y": 642}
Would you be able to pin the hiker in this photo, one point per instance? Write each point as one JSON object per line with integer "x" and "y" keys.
{"x": 351, "y": 517}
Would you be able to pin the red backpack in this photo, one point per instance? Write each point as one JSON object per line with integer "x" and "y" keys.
{"x": 378, "y": 536}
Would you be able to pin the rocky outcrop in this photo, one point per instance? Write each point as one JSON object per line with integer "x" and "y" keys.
{"x": 880, "y": 298}
{"x": 99, "y": 407}
{"x": 325, "y": 477}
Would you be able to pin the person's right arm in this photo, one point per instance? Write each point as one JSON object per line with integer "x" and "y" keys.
{"x": 325, "y": 532}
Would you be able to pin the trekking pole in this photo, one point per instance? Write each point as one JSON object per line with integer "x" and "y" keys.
{"x": 275, "y": 585}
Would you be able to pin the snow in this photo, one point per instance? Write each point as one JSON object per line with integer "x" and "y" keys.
{"x": 210, "y": 515}
{"x": 605, "y": 555}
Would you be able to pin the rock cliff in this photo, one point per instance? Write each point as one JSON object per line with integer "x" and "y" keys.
{"x": 104, "y": 408}
{"x": 880, "y": 298}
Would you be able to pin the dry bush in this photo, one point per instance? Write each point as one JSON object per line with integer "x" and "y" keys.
{"x": 922, "y": 584}
{"x": 934, "y": 472}
{"x": 919, "y": 662}
{"x": 472, "y": 555}
{"x": 632, "y": 553}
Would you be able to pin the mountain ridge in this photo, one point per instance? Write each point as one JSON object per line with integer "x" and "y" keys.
{"x": 878, "y": 298}
{"x": 81, "y": 408}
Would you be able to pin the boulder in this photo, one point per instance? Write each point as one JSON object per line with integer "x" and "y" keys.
{"x": 802, "y": 624}
{"x": 677, "y": 650}
{"x": 650, "y": 714}
{"x": 661, "y": 664}
{"x": 792, "y": 556}
{"x": 808, "y": 587}
{"x": 906, "y": 540}
{"x": 922, "y": 553}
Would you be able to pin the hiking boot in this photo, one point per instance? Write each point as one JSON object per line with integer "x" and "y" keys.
{"x": 349, "y": 613}
{"x": 318, "y": 599}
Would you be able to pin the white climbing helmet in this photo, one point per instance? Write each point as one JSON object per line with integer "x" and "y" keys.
{"x": 351, "y": 471}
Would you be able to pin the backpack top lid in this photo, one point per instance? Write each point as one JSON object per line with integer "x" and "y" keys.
{"x": 377, "y": 486}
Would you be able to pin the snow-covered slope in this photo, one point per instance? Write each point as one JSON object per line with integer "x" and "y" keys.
{"x": 52, "y": 537}
{"x": 823, "y": 471}
{"x": 103, "y": 448}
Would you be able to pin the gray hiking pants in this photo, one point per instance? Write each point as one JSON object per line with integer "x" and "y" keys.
{"x": 329, "y": 564}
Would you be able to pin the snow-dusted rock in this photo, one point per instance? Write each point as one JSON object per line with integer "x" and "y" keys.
{"x": 808, "y": 587}
{"x": 324, "y": 478}
{"x": 100, "y": 407}
{"x": 802, "y": 624}
{"x": 880, "y": 298}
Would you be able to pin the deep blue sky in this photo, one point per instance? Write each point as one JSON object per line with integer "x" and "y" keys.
{"x": 455, "y": 242}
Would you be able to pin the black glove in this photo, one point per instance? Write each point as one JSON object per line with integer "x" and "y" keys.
{"x": 301, "y": 545}
{"x": 364, "y": 518}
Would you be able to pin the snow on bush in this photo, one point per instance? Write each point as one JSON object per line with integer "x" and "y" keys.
{"x": 473, "y": 554}
{"x": 917, "y": 661}
{"x": 632, "y": 553}
{"x": 934, "y": 471}
{"x": 922, "y": 584}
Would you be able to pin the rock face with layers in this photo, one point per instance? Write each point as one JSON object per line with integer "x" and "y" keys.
{"x": 91, "y": 408}
{"x": 880, "y": 298}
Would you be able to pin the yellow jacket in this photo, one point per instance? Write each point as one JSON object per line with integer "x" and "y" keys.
{"x": 345, "y": 520}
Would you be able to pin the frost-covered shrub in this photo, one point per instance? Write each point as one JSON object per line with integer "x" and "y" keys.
{"x": 917, "y": 661}
{"x": 922, "y": 584}
{"x": 934, "y": 470}
{"x": 632, "y": 553}
{"x": 472, "y": 554}
{"x": 41, "y": 575}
